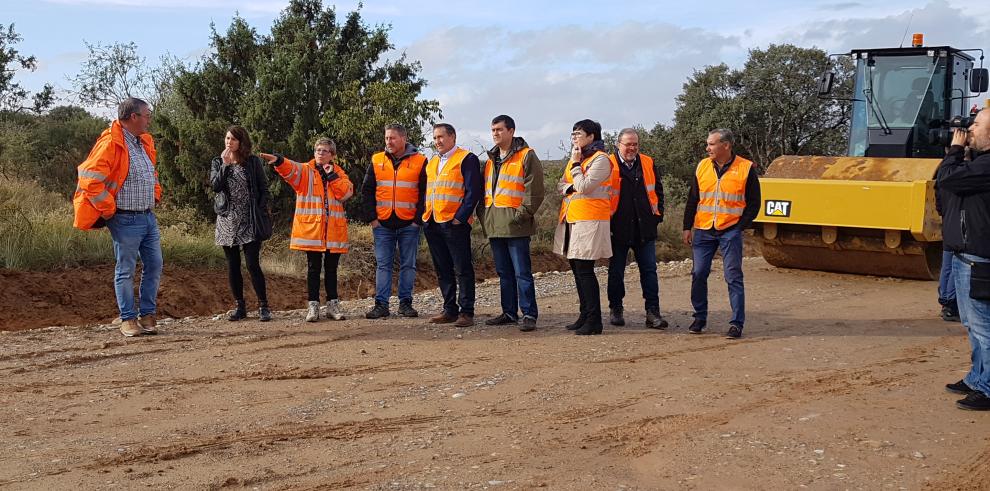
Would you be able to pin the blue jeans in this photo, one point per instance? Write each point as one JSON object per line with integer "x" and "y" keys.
{"x": 946, "y": 287}
{"x": 646, "y": 259}
{"x": 515, "y": 276}
{"x": 975, "y": 315}
{"x": 386, "y": 240}
{"x": 450, "y": 247}
{"x": 134, "y": 235}
{"x": 703, "y": 245}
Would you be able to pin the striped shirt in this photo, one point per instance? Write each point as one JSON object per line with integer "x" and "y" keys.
{"x": 138, "y": 191}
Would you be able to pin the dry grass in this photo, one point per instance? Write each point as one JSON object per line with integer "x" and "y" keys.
{"x": 36, "y": 233}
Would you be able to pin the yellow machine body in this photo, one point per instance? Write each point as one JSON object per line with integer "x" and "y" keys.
{"x": 863, "y": 215}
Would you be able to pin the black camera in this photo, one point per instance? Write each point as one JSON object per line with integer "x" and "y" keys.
{"x": 942, "y": 133}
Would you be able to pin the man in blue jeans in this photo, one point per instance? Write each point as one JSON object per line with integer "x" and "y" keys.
{"x": 118, "y": 188}
{"x": 393, "y": 190}
{"x": 723, "y": 201}
{"x": 947, "y": 290}
{"x": 964, "y": 187}
{"x": 946, "y": 285}
{"x": 513, "y": 186}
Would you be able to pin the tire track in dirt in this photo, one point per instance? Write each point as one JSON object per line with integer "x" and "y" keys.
{"x": 270, "y": 477}
{"x": 272, "y": 374}
{"x": 973, "y": 474}
{"x": 308, "y": 344}
{"x": 640, "y": 437}
{"x": 685, "y": 351}
{"x": 350, "y": 430}
{"x": 75, "y": 361}
{"x": 593, "y": 412}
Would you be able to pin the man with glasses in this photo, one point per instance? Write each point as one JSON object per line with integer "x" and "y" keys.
{"x": 637, "y": 210}
{"x": 118, "y": 188}
{"x": 965, "y": 193}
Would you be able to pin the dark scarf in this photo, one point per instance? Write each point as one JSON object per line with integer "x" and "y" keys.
{"x": 597, "y": 145}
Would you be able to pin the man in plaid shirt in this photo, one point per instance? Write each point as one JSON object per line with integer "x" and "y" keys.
{"x": 118, "y": 187}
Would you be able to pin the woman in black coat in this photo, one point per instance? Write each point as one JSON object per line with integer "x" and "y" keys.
{"x": 238, "y": 178}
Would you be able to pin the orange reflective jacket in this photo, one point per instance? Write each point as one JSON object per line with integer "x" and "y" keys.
{"x": 319, "y": 223}
{"x": 397, "y": 190}
{"x": 721, "y": 200}
{"x": 649, "y": 182}
{"x": 510, "y": 189}
{"x": 102, "y": 174}
{"x": 444, "y": 189}
{"x": 595, "y": 205}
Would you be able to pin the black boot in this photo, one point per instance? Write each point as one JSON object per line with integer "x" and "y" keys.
{"x": 264, "y": 313}
{"x": 615, "y": 317}
{"x": 239, "y": 312}
{"x": 590, "y": 327}
{"x": 577, "y": 324}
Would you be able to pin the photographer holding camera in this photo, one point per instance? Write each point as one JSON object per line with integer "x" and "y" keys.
{"x": 964, "y": 187}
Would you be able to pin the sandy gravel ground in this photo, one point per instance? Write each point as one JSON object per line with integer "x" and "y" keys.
{"x": 837, "y": 384}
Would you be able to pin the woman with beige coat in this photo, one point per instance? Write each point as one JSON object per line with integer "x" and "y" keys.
{"x": 582, "y": 234}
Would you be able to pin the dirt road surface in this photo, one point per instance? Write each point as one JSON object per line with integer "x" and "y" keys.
{"x": 837, "y": 384}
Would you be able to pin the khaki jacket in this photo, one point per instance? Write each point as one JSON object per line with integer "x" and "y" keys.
{"x": 514, "y": 222}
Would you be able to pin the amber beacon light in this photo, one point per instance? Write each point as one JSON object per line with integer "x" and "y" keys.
{"x": 918, "y": 40}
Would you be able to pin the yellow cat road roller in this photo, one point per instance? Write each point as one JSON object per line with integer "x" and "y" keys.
{"x": 873, "y": 211}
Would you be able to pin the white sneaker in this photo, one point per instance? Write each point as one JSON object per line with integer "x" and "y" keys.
{"x": 313, "y": 312}
{"x": 333, "y": 310}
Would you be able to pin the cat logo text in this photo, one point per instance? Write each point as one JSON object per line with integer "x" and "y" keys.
{"x": 777, "y": 208}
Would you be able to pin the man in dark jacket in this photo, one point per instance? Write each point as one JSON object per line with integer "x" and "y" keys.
{"x": 714, "y": 218}
{"x": 637, "y": 210}
{"x": 393, "y": 196}
{"x": 453, "y": 190}
{"x": 964, "y": 188}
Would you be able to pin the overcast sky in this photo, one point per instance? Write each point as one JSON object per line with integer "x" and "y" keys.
{"x": 545, "y": 63}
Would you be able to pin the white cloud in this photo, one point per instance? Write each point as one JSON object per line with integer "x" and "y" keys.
{"x": 620, "y": 75}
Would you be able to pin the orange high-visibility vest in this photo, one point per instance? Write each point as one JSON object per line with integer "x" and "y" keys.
{"x": 444, "y": 190}
{"x": 103, "y": 173}
{"x": 649, "y": 182}
{"x": 397, "y": 190}
{"x": 510, "y": 189}
{"x": 319, "y": 223}
{"x": 596, "y": 205}
{"x": 721, "y": 199}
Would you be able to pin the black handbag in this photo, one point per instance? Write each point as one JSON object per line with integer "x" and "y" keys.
{"x": 979, "y": 281}
{"x": 979, "y": 278}
{"x": 262, "y": 223}
{"x": 221, "y": 203}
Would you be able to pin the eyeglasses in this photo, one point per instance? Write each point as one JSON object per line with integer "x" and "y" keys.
{"x": 323, "y": 150}
{"x": 629, "y": 144}
{"x": 579, "y": 134}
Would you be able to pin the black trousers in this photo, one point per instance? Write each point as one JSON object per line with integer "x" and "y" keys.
{"x": 450, "y": 248}
{"x": 315, "y": 261}
{"x": 252, "y": 254}
{"x": 589, "y": 295}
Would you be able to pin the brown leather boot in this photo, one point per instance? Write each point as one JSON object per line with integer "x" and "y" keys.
{"x": 464, "y": 320}
{"x": 442, "y": 318}
{"x": 149, "y": 324}
{"x": 130, "y": 328}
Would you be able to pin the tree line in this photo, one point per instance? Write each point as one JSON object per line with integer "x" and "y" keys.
{"x": 314, "y": 73}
